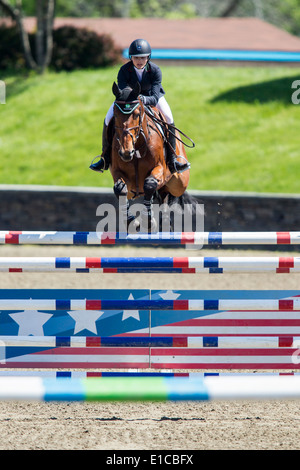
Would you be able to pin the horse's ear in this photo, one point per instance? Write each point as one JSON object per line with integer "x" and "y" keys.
{"x": 115, "y": 89}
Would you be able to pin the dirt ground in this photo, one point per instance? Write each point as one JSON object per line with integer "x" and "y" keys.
{"x": 170, "y": 426}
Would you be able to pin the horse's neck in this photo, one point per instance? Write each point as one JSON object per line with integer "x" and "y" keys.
{"x": 145, "y": 132}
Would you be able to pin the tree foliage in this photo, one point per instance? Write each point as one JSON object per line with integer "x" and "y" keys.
{"x": 282, "y": 13}
{"x": 39, "y": 58}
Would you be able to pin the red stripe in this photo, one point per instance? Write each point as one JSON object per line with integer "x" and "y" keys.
{"x": 189, "y": 270}
{"x": 188, "y": 237}
{"x": 110, "y": 270}
{"x": 12, "y": 238}
{"x": 224, "y": 352}
{"x": 15, "y": 270}
{"x": 262, "y": 334}
{"x": 75, "y": 365}
{"x": 108, "y": 239}
{"x": 285, "y": 342}
{"x": 180, "y": 342}
{"x": 182, "y": 262}
{"x": 180, "y": 304}
{"x": 286, "y": 373}
{"x": 93, "y": 341}
{"x": 286, "y": 304}
{"x": 93, "y": 263}
{"x": 286, "y": 262}
{"x": 221, "y": 366}
{"x": 93, "y": 304}
{"x": 282, "y": 270}
{"x": 283, "y": 238}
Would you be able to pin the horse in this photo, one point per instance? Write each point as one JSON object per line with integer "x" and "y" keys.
{"x": 138, "y": 165}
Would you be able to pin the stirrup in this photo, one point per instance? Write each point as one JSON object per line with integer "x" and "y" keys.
{"x": 93, "y": 166}
{"x": 188, "y": 165}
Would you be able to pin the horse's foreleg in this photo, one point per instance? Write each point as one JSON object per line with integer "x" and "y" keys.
{"x": 127, "y": 218}
{"x": 149, "y": 223}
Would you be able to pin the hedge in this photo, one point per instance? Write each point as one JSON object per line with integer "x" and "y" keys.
{"x": 73, "y": 48}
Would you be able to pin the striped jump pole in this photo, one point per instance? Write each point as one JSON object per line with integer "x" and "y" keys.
{"x": 111, "y": 389}
{"x": 199, "y": 264}
{"x": 131, "y": 373}
{"x": 160, "y": 238}
{"x": 153, "y": 341}
{"x": 152, "y": 304}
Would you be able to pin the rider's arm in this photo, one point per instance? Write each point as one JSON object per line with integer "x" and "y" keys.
{"x": 123, "y": 78}
{"x": 153, "y": 97}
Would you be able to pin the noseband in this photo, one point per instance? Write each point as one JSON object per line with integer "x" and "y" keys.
{"x": 128, "y": 108}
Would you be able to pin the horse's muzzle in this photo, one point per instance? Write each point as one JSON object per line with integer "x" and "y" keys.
{"x": 127, "y": 156}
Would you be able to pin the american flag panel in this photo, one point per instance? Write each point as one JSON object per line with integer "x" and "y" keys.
{"x": 191, "y": 323}
{"x": 225, "y": 323}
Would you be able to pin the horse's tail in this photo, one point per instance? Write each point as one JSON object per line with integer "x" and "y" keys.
{"x": 191, "y": 211}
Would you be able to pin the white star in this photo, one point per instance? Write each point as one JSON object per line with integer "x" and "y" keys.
{"x": 169, "y": 295}
{"x": 85, "y": 320}
{"x": 31, "y": 322}
{"x": 131, "y": 313}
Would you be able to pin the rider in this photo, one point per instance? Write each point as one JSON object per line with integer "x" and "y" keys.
{"x": 140, "y": 69}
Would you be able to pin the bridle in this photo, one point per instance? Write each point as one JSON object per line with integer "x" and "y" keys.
{"x": 128, "y": 108}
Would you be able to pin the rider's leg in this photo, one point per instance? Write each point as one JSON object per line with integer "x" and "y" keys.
{"x": 172, "y": 158}
{"x": 172, "y": 162}
{"x": 103, "y": 163}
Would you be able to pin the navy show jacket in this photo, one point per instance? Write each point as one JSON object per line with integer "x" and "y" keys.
{"x": 150, "y": 84}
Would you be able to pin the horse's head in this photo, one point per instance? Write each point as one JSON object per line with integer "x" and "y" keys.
{"x": 129, "y": 114}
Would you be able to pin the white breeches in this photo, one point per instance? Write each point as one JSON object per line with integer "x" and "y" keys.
{"x": 162, "y": 106}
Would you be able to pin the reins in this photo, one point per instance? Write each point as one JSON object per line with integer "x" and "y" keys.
{"x": 168, "y": 127}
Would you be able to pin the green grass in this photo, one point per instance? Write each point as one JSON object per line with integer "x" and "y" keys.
{"x": 243, "y": 122}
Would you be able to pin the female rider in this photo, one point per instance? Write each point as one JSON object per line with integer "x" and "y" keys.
{"x": 141, "y": 69}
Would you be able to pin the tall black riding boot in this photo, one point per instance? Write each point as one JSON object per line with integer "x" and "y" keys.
{"x": 172, "y": 162}
{"x": 103, "y": 163}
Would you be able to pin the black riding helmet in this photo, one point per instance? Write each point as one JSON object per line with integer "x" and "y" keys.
{"x": 139, "y": 47}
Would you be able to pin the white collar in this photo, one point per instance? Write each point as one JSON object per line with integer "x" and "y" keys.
{"x": 139, "y": 72}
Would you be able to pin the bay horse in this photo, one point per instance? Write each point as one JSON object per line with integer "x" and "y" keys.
{"x": 138, "y": 164}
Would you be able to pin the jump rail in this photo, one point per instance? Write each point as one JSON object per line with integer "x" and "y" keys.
{"x": 150, "y": 388}
{"x": 160, "y": 238}
{"x": 191, "y": 304}
{"x": 196, "y": 264}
